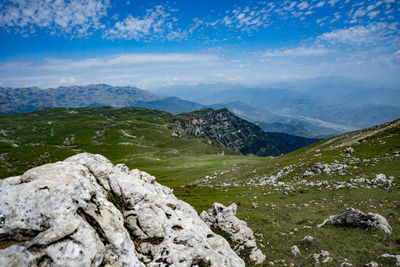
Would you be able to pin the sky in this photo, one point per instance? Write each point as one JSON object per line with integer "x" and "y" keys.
{"x": 149, "y": 44}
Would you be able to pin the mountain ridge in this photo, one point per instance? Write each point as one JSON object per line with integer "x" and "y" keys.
{"x": 223, "y": 126}
{"x": 16, "y": 100}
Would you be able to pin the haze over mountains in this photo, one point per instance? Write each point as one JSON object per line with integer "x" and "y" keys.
{"x": 16, "y": 100}
{"x": 315, "y": 108}
{"x": 327, "y": 106}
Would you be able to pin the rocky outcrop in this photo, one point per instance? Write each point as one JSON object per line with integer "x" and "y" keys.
{"x": 224, "y": 219}
{"x": 235, "y": 133}
{"x": 357, "y": 218}
{"x": 85, "y": 211}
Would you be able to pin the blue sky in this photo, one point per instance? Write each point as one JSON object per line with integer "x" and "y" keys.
{"x": 156, "y": 43}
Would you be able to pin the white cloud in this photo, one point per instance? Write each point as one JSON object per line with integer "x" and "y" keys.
{"x": 333, "y": 2}
{"x": 75, "y": 17}
{"x": 152, "y": 70}
{"x": 157, "y": 23}
{"x": 121, "y": 60}
{"x": 360, "y": 35}
{"x": 245, "y": 19}
{"x": 373, "y": 14}
{"x": 296, "y": 52}
{"x": 303, "y": 5}
{"x": 133, "y": 69}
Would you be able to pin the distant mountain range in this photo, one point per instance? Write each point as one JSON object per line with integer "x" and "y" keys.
{"x": 317, "y": 108}
{"x": 17, "y": 100}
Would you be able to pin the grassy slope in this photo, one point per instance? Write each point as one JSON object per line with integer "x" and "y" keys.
{"x": 278, "y": 215}
{"x": 140, "y": 138}
{"x": 176, "y": 162}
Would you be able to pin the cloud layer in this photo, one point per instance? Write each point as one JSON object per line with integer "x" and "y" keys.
{"x": 319, "y": 37}
{"x": 161, "y": 22}
{"x": 75, "y": 17}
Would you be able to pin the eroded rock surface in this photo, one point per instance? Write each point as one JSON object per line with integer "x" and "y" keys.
{"x": 224, "y": 219}
{"x": 354, "y": 217}
{"x": 85, "y": 211}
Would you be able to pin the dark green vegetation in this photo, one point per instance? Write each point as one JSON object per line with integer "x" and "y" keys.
{"x": 284, "y": 211}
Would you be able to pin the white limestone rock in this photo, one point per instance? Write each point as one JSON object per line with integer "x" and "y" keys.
{"x": 394, "y": 259}
{"x": 59, "y": 213}
{"x": 224, "y": 219}
{"x": 346, "y": 264}
{"x": 295, "y": 250}
{"x": 322, "y": 257}
{"x": 358, "y": 218}
{"x": 85, "y": 211}
{"x": 308, "y": 239}
{"x": 381, "y": 179}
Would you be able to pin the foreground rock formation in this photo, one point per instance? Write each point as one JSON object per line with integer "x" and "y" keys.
{"x": 85, "y": 211}
{"x": 224, "y": 219}
{"x": 354, "y": 217}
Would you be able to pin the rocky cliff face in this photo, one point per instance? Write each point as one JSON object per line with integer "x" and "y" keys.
{"x": 233, "y": 132}
{"x": 85, "y": 211}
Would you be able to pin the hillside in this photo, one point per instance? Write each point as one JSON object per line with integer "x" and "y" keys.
{"x": 16, "y": 100}
{"x": 233, "y": 132}
{"x": 283, "y": 199}
{"x": 286, "y": 198}
{"x": 140, "y": 137}
{"x": 135, "y": 136}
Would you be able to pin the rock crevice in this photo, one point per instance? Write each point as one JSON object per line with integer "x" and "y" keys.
{"x": 85, "y": 211}
{"x": 224, "y": 219}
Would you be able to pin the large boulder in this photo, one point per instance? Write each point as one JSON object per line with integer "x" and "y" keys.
{"x": 85, "y": 211}
{"x": 357, "y": 218}
{"x": 224, "y": 219}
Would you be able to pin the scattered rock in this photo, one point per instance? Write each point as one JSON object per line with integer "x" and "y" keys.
{"x": 346, "y": 264}
{"x": 329, "y": 168}
{"x": 372, "y": 264}
{"x": 322, "y": 257}
{"x": 307, "y": 173}
{"x": 354, "y": 217}
{"x": 224, "y": 219}
{"x": 349, "y": 150}
{"x": 295, "y": 250}
{"x": 381, "y": 179}
{"x": 85, "y": 211}
{"x": 308, "y": 239}
{"x": 390, "y": 259}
